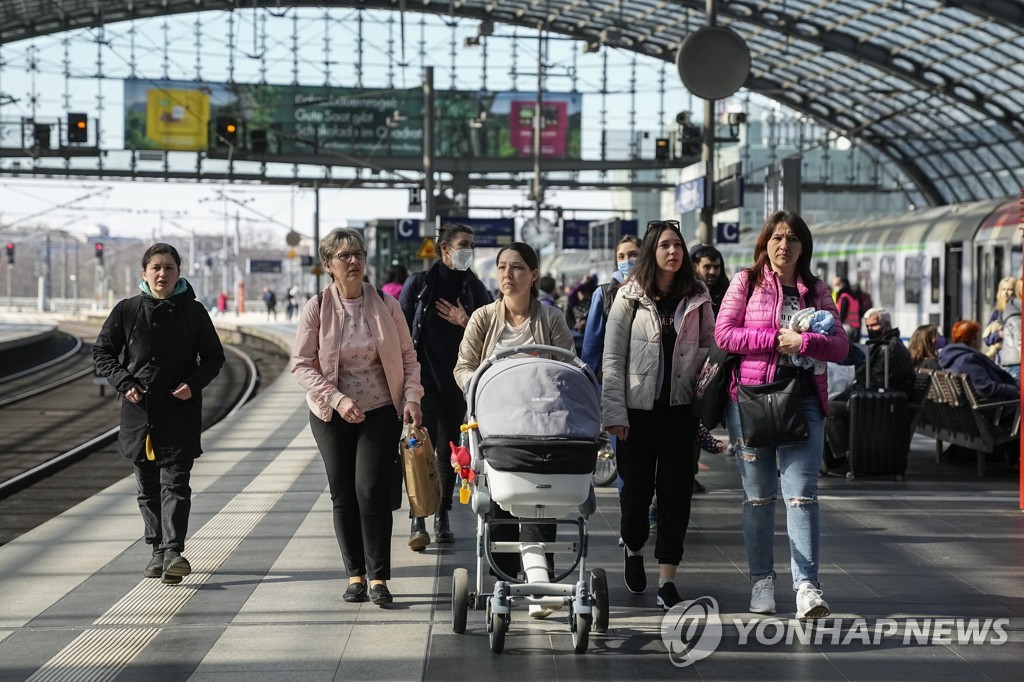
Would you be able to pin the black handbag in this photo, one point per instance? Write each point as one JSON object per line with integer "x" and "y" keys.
{"x": 712, "y": 391}
{"x": 772, "y": 414}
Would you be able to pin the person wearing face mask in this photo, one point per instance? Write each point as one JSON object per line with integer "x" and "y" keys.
{"x": 437, "y": 305}
{"x": 883, "y": 339}
{"x": 626, "y": 253}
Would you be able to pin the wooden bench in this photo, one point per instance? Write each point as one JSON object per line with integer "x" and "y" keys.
{"x": 950, "y": 411}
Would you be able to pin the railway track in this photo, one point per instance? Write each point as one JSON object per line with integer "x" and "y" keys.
{"x": 58, "y": 434}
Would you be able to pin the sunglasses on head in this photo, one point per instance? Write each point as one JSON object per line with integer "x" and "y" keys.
{"x": 662, "y": 224}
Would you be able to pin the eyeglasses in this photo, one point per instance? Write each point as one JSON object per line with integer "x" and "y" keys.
{"x": 350, "y": 256}
{"x": 661, "y": 224}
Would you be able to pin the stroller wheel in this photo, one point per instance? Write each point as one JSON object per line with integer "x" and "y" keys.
{"x": 605, "y": 468}
{"x": 599, "y": 596}
{"x": 497, "y": 626}
{"x": 460, "y": 600}
{"x": 580, "y": 626}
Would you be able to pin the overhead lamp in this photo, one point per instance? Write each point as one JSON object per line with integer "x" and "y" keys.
{"x": 486, "y": 28}
{"x": 593, "y": 46}
{"x": 471, "y": 41}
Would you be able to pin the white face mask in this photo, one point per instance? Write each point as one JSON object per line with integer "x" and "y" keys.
{"x": 462, "y": 259}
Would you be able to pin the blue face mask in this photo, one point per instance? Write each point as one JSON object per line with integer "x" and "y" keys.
{"x": 625, "y": 266}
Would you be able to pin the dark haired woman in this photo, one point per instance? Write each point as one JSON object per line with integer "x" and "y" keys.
{"x": 171, "y": 352}
{"x": 437, "y": 305}
{"x": 517, "y": 318}
{"x": 754, "y": 322}
{"x": 659, "y": 331}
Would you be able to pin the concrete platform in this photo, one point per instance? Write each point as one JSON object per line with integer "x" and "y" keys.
{"x": 16, "y": 333}
{"x": 264, "y": 601}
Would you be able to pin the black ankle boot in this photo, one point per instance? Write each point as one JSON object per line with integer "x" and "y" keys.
{"x": 442, "y": 529}
{"x": 418, "y": 537}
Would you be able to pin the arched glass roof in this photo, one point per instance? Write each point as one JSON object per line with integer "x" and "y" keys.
{"x": 935, "y": 86}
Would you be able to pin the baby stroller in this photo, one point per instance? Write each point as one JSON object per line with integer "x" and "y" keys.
{"x": 533, "y": 428}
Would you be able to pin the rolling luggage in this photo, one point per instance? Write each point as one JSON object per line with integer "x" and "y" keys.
{"x": 878, "y": 428}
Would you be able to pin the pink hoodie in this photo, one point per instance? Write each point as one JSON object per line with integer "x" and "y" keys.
{"x": 749, "y": 329}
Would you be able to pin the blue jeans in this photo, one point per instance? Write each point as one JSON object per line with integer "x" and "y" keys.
{"x": 760, "y": 470}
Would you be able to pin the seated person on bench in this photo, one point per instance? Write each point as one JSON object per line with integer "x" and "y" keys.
{"x": 990, "y": 381}
{"x": 881, "y": 336}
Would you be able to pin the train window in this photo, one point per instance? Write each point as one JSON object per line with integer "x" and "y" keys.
{"x": 864, "y": 278}
{"x": 1015, "y": 264}
{"x": 842, "y": 270}
{"x": 935, "y": 281}
{"x": 913, "y": 273}
{"x": 998, "y": 254}
{"x": 822, "y": 271}
{"x": 887, "y": 282}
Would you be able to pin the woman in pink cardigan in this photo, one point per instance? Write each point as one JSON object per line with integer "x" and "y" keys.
{"x": 754, "y": 323}
{"x": 354, "y": 356}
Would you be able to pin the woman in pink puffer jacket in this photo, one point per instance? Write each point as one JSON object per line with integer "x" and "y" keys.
{"x": 754, "y": 323}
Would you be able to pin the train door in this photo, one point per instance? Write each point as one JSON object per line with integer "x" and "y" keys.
{"x": 953, "y": 303}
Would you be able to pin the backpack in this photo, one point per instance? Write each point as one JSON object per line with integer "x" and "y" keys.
{"x": 608, "y": 292}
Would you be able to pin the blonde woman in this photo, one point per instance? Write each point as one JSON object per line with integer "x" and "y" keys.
{"x": 992, "y": 336}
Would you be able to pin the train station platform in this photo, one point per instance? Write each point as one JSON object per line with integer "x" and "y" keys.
{"x": 913, "y": 571}
{"x": 16, "y": 333}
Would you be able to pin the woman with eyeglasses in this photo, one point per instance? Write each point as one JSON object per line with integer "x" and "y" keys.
{"x": 659, "y": 332}
{"x": 754, "y": 322}
{"x": 354, "y": 356}
{"x": 437, "y": 306}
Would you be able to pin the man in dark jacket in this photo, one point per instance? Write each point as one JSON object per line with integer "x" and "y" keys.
{"x": 437, "y": 305}
{"x": 159, "y": 350}
{"x": 883, "y": 339}
{"x": 708, "y": 264}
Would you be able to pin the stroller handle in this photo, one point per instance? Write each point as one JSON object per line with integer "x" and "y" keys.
{"x": 556, "y": 352}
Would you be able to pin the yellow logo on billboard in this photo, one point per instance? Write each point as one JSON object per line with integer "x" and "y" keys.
{"x": 427, "y": 250}
{"x": 177, "y": 120}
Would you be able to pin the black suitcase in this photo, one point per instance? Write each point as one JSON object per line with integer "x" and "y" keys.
{"x": 878, "y": 428}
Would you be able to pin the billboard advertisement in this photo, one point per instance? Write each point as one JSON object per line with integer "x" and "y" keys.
{"x": 300, "y": 119}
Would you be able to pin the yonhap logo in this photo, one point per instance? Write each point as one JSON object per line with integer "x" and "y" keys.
{"x": 544, "y": 400}
{"x": 691, "y": 631}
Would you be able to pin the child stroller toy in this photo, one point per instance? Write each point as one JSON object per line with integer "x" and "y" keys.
{"x": 533, "y": 429}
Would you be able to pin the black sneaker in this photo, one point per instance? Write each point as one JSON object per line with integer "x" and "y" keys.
{"x": 668, "y": 596}
{"x": 698, "y": 487}
{"x": 380, "y": 595}
{"x": 633, "y": 571}
{"x": 175, "y": 567}
{"x": 155, "y": 567}
{"x": 356, "y": 592}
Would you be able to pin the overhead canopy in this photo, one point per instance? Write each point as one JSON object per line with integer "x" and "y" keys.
{"x": 936, "y": 87}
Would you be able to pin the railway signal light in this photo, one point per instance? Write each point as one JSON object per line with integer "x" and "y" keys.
{"x": 41, "y": 135}
{"x": 258, "y": 141}
{"x": 99, "y": 252}
{"x": 692, "y": 138}
{"x": 227, "y": 131}
{"x": 10, "y": 253}
{"x": 661, "y": 149}
{"x": 78, "y": 128}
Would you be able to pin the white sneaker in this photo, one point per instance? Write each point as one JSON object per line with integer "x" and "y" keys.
{"x": 809, "y": 603}
{"x": 537, "y": 611}
{"x": 762, "y": 597}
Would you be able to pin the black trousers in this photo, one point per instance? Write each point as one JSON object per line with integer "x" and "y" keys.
{"x": 443, "y": 414}
{"x": 659, "y": 456}
{"x": 528, "y": 532}
{"x": 359, "y": 460}
{"x": 165, "y": 500}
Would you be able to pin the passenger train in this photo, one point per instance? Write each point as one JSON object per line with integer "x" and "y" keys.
{"x": 935, "y": 266}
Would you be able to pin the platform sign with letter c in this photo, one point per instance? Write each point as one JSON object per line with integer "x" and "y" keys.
{"x": 727, "y": 233}
{"x": 407, "y": 229}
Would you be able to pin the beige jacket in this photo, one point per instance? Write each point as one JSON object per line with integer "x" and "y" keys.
{"x": 316, "y": 357}
{"x": 484, "y": 328}
{"x": 638, "y": 386}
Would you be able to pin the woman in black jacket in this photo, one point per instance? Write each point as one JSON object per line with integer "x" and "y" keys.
{"x": 437, "y": 305}
{"x": 159, "y": 350}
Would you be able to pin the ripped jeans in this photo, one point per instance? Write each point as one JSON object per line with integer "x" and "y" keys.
{"x": 797, "y": 464}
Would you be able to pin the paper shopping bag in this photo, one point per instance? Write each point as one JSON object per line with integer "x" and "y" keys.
{"x": 422, "y": 481}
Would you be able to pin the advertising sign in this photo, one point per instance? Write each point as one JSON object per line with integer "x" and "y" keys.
{"x": 489, "y": 231}
{"x": 361, "y": 122}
